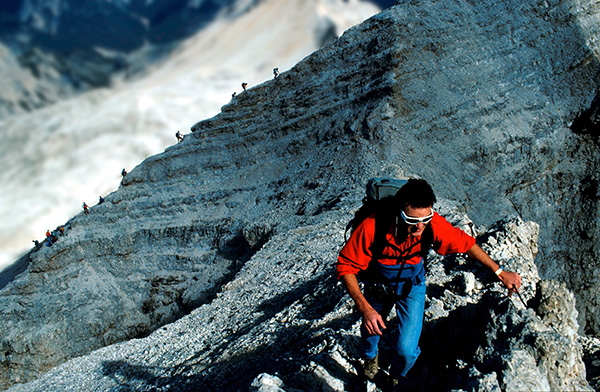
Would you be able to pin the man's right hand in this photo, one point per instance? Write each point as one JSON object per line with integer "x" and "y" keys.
{"x": 371, "y": 319}
{"x": 373, "y": 322}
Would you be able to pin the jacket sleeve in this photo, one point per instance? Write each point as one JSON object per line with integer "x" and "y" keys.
{"x": 356, "y": 254}
{"x": 448, "y": 239}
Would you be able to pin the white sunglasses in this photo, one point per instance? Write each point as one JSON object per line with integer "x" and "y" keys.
{"x": 409, "y": 220}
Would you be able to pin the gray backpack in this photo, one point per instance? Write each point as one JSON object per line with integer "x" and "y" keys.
{"x": 379, "y": 195}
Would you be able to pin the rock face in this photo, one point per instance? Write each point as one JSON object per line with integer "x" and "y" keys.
{"x": 284, "y": 322}
{"x": 72, "y": 151}
{"x": 475, "y": 338}
{"x": 241, "y": 222}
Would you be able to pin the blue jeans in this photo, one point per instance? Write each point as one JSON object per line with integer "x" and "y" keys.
{"x": 410, "y": 307}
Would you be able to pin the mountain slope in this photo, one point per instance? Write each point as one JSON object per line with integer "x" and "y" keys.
{"x": 58, "y": 157}
{"x": 415, "y": 90}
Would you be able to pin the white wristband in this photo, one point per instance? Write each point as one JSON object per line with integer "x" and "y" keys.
{"x": 498, "y": 271}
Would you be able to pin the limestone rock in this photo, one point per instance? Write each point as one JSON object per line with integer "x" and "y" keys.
{"x": 234, "y": 231}
{"x": 284, "y": 324}
{"x": 267, "y": 383}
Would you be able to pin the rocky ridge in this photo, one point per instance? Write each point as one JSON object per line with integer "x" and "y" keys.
{"x": 284, "y": 321}
{"x": 73, "y": 151}
{"x": 200, "y": 226}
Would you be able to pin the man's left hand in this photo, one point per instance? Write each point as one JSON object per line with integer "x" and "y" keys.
{"x": 511, "y": 280}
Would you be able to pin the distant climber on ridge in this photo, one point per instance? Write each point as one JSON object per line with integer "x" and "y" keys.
{"x": 244, "y": 85}
{"x": 386, "y": 250}
{"x": 179, "y": 137}
{"x": 85, "y": 208}
{"x": 275, "y": 73}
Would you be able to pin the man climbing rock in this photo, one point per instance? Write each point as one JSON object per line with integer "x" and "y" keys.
{"x": 179, "y": 136}
{"x": 48, "y": 238}
{"x": 386, "y": 250}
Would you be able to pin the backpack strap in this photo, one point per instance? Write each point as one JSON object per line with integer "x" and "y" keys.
{"x": 426, "y": 242}
{"x": 383, "y": 221}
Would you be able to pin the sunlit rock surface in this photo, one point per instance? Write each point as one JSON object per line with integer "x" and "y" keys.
{"x": 240, "y": 223}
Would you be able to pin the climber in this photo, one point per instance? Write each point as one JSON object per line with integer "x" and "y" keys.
{"x": 179, "y": 137}
{"x": 100, "y": 200}
{"x": 391, "y": 267}
{"x": 244, "y": 85}
{"x": 275, "y": 73}
{"x": 123, "y": 173}
{"x": 48, "y": 238}
{"x": 85, "y": 208}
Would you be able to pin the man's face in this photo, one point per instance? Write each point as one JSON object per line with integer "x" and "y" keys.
{"x": 414, "y": 212}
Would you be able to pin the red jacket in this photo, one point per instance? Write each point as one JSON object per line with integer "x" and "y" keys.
{"x": 356, "y": 254}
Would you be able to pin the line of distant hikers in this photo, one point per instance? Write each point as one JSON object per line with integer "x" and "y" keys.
{"x": 52, "y": 236}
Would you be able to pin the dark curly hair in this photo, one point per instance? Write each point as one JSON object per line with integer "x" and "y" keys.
{"x": 416, "y": 193}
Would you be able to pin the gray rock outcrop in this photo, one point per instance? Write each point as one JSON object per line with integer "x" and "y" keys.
{"x": 475, "y": 338}
{"x": 240, "y": 223}
{"x": 283, "y": 322}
